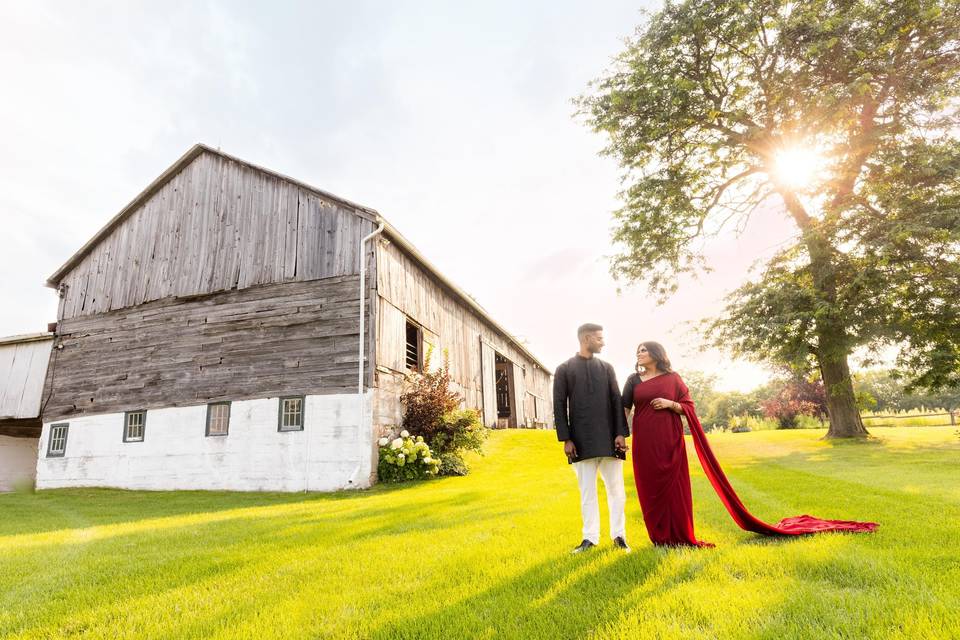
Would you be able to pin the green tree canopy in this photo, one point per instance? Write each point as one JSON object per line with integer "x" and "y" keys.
{"x": 702, "y": 388}
{"x": 701, "y": 110}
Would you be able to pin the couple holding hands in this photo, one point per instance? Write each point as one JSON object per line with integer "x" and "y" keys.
{"x": 591, "y": 412}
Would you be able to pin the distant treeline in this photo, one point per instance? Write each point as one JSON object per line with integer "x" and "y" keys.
{"x": 795, "y": 402}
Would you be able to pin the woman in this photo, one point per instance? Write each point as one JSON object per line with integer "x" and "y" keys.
{"x": 659, "y": 397}
{"x": 655, "y": 393}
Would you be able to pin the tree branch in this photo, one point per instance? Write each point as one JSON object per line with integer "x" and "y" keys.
{"x": 720, "y": 189}
{"x": 795, "y": 208}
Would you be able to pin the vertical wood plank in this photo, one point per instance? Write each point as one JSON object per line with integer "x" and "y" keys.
{"x": 290, "y": 206}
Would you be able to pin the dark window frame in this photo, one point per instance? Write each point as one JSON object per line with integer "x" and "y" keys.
{"x": 303, "y": 406}
{"x": 126, "y": 426}
{"x": 66, "y": 432}
{"x": 209, "y": 413}
{"x": 410, "y": 324}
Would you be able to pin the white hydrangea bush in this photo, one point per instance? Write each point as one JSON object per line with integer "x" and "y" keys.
{"x": 405, "y": 457}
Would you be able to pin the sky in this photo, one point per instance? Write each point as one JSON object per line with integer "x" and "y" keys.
{"x": 454, "y": 120}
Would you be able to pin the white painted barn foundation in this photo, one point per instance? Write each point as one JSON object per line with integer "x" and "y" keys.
{"x": 330, "y": 453}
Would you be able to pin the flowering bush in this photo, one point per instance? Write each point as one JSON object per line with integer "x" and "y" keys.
{"x": 405, "y": 458}
{"x": 431, "y": 410}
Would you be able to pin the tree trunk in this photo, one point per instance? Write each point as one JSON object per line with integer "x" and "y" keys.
{"x": 832, "y": 348}
{"x": 842, "y": 409}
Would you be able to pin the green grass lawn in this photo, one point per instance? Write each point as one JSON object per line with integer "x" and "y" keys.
{"x": 485, "y": 556}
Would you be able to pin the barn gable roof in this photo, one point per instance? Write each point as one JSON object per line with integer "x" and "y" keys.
{"x": 366, "y": 212}
{"x": 163, "y": 179}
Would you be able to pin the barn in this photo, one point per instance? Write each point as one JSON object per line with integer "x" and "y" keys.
{"x": 234, "y": 328}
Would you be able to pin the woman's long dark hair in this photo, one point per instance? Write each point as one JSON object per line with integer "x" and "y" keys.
{"x": 656, "y": 351}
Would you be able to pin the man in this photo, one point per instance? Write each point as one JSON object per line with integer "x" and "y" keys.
{"x": 593, "y": 429}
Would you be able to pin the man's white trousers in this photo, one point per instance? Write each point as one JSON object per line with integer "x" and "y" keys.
{"x": 611, "y": 470}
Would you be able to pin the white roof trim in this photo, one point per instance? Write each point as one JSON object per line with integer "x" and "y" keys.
{"x": 27, "y": 337}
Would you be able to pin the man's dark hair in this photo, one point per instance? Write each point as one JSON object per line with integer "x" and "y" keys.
{"x": 587, "y": 328}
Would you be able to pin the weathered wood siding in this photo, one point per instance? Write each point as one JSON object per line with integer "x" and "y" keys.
{"x": 216, "y": 225}
{"x": 406, "y": 289}
{"x": 23, "y": 366}
{"x": 391, "y": 336}
{"x": 488, "y": 383}
{"x": 21, "y": 428}
{"x": 298, "y": 338}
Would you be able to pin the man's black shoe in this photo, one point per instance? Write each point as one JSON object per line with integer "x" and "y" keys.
{"x": 620, "y": 543}
{"x": 583, "y": 546}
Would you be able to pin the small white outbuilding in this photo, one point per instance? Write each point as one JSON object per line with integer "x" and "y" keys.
{"x": 23, "y": 367}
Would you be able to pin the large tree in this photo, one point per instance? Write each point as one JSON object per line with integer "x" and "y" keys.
{"x": 710, "y": 111}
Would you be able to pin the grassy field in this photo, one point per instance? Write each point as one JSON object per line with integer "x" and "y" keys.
{"x": 913, "y": 418}
{"x": 871, "y": 419}
{"x": 485, "y": 556}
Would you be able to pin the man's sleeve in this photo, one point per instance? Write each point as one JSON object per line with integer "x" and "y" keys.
{"x": 616, "y": 401}
{"x": 560, "y": 417}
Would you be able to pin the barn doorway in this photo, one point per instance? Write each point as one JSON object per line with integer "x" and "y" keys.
{"x": 506, "y": 402}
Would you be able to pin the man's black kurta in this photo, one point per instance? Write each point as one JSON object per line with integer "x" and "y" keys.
{"x": 587, "y": 406}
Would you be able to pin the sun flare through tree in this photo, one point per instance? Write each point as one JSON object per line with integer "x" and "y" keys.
{"x": 797, "y": 167}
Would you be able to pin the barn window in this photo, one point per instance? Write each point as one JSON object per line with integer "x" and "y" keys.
{"x": 291, "y": 414}
{"x": 218, "y": 418}
{"x": 58, "y": 440}
{"x": 135, "y": 423}
{"x": 414, "y": 347}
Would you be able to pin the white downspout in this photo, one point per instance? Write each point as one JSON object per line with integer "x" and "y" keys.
{"x": 363, "y": 341}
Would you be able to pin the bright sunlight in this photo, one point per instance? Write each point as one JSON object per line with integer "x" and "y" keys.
{"x": 797, "y": 166}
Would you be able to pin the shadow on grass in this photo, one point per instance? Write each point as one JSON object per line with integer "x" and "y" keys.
{"x": 57, "y": 509}
{"x": 314, "y": 514}
{"x": 576, "y": 595}
{"x": 59, "y": 578}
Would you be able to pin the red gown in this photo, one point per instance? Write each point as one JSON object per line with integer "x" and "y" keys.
{"x": 663, "y": 477}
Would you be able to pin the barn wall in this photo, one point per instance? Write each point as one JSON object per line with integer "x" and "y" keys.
{"x": 406, "y": 290}
{"x": 329, "y": 454}
{"x": 216, "y": 225}
{"x": 298, "y": 338}
{"x": 18, "y": 461}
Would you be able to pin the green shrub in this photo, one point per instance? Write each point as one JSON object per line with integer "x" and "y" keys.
{"x": 405, "y": 458}
{"x": 460, "y": 430}
{"x": 452, "y": 464}
{"x": 431, "y": 411}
